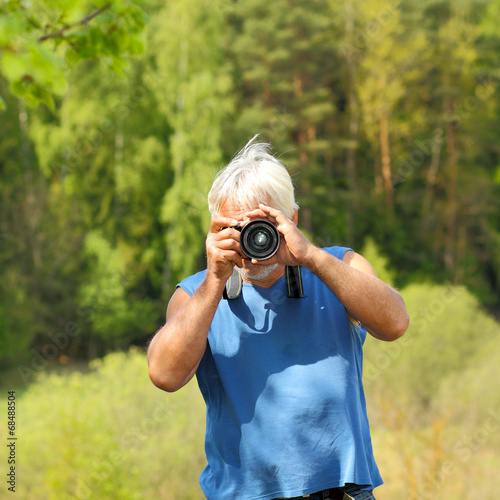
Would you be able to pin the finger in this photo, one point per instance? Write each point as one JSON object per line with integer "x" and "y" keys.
{"x": 238, "y": 260}
{"x": 218, "y": 222}
{"x": 219, "y": 256}
{"x": 244, "y": 222}
{"x": 255, "y": 213}
{"x": 258, "y": 214}
{"x": 227, "y": 233}
{"x": 227, "y": 244}
{"x": 275, "y": 213}
{"x": 274, "y": 259}
{"x": 233, "y": 256}
{"x": 267, "y": 262}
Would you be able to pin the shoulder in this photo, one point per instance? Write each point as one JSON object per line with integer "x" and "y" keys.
{"x": 191, "y": 283}
{"x": 338, "y": 252}
{"x": 357, "y": 261}
{"x": 351, "y": 258}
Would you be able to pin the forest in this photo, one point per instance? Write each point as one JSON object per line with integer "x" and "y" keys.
{"x": 385, "y": 113}
{"x": 114, "y": 119}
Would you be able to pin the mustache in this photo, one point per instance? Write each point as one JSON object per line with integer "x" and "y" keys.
{"x": 259, "y": 275}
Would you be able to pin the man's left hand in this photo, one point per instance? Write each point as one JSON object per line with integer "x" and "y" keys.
{"x": 294, "y": 249}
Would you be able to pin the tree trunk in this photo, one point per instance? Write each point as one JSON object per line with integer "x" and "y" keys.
{"x": 379, "y": 183}
{"x": 118, "y": 170}
{"x": 352, "y": 170}
{"x": 33, "y": 211}
{"x": 386, "y": 162}
{"x": 431, "y": 177}
{"x": 305, "y": 182}
{"x": 451, "y": 206}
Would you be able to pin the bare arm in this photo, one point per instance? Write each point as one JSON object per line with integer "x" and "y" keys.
{"x": 376, "y": 305}
{"x": 178, "y": 347}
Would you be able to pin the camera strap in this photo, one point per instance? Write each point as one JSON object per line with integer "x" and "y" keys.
{"x": 294, "y": 282}
{"x": 233, "y": 286}
{"x": 294, "y": 287}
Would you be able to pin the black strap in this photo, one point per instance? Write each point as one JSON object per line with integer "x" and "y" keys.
{"x": 294, "y": 286}
{"x": 294, "y": 282}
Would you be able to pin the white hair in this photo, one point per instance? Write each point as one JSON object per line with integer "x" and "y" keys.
{"x": 253, "y": 176}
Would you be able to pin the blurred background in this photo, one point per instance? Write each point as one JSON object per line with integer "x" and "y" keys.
{"x": 116, "y": 117}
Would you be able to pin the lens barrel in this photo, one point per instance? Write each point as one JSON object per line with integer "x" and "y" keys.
{"x": 259, "y": 239}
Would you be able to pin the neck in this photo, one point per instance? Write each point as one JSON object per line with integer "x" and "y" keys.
{"x": 266, "y": 282}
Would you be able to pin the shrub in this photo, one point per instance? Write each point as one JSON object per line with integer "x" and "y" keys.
{"x": 110, "y": 434}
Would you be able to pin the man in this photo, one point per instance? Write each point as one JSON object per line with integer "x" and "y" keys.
{"x": 281, "y": 376}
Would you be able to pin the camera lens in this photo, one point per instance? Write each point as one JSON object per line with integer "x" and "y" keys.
{"x": 259, "y": 239}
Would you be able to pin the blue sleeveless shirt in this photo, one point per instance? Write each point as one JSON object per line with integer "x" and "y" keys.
{"x": 281, "y": 378}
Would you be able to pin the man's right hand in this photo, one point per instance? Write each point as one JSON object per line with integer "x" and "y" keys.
{"x": 223, "y": 248}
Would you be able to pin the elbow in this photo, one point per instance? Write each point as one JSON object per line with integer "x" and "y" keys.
{"x": 161, "y": 380}
{"x": 393, "y": 330}
{"x": 400, "y": 322}
{"x": 400, "y": 326}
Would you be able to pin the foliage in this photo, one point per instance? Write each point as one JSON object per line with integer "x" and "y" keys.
{"x": 385, "y": 113}
{"x": 116, "y": 435}
{"x": 41, "y": 40}
{"x": 195, "y": 98}
{"x": 111, "y": 443}
{"x": 433, "y": 409}
{"x": 378, "y": 261}
{"x": 104, "y": 293}
{"x": 447, "y": 328}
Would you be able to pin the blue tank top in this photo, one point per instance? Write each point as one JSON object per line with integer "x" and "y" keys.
{"x": 281, "y": 378}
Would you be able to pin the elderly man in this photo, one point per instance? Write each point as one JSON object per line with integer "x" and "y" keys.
{"x": 278, "y": 357}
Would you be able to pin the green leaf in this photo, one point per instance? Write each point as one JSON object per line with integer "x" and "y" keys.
{"x": 18, "y": 88}
{"x": 118, "y": 65}
{"x": 138, "y": 16}
{"x": 72, "y": 57}
{"x": 136, "y": 45}
{"x": 58, "y": 83}
{"x": 2, "y": 104}
{"x": 45, "y": 97}
{"x": 97, "y": 39}
{"x": 14, "y": 66}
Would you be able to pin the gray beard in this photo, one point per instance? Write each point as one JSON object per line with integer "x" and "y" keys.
{"x": 262, "y": 274}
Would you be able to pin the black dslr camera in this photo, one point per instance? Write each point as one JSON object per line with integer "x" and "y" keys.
{"x": 259, "y": 239}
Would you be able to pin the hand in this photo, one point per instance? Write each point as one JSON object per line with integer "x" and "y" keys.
{"x": 223, "y": 247}
{"x": 294, "y": 249}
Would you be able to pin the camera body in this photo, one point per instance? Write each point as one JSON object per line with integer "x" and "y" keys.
{"x": 259, "y": 239}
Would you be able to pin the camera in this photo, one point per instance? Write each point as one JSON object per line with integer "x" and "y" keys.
{"x": 259, "y": 239}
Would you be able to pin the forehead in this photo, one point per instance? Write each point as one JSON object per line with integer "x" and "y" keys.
{"x": 235, "y": 210}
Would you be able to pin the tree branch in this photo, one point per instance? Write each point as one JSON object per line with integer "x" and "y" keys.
{"x": 85, "y": 20}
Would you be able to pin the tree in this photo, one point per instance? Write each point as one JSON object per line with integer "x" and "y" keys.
{"x": 194, "y": 94}
{"x": 386, "y": 69}
{"x": 286, "y": 60}
{"x": 41, "y": 40}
